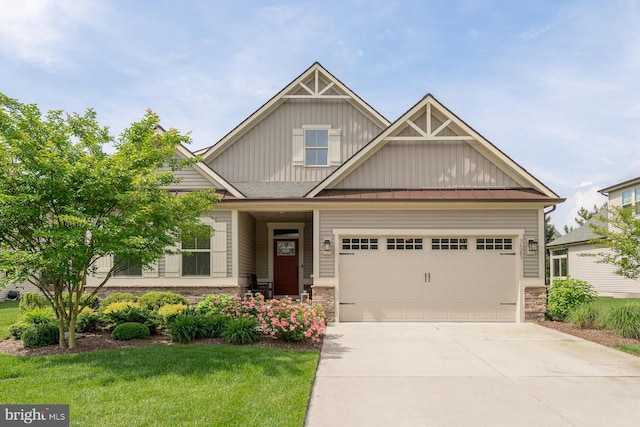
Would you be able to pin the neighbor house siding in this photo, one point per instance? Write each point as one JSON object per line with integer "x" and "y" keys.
{"x": 246, "y": 244}
{"x": 428, "y": 164}
{"x": 581, "y": 264}
{"x": 264, "y": 153}
{"x": 425, "y": 219}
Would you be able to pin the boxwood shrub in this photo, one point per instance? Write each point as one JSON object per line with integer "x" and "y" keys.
{"x": 130, "y": 331}
{"x": 119, "y": 296}
{"x": 16, "y": 330}
{"x": 40, "y": 335}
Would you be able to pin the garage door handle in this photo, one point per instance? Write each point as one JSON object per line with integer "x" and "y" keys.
{"x": 427, "y": 277}
{"x": 507, "y": 253}
{"x": 347, "y": 253}
{"x": 347, "y": 303}
{"x": 507, "y": 303}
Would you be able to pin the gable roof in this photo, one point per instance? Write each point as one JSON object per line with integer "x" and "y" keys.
{"x": 465, "y": 132}
{"x": 209, "y": 173}
{"x": 582, "y": 234}
{"x": 620, "y": 185}
{"x": 300, "y": 90}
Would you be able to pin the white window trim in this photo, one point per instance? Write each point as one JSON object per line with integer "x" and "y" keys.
{"x": 334, "y": 154}
{"x": 218, "y": 254}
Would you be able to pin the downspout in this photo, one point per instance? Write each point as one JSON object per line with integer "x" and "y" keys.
{"x": 553, "y": 208}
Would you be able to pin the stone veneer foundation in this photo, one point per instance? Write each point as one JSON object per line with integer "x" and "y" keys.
{"x": 535, "y": 303}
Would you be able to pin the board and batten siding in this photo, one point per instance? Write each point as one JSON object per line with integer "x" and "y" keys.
{"x": 429, "y": 220}
{"x": 265, "y": 153}
{"x": 246, "y": 244}
{"x": 602, "y": 276}
{"x": 428, "y": 164}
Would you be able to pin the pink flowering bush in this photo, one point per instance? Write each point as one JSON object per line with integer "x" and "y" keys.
{"x": 285, "y": 318}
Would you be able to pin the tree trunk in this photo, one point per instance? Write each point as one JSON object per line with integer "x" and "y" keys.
{"x": 72, "y": 328}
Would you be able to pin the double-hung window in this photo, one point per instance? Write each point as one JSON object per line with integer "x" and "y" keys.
{"x": 197, "y": 262}
{"x": 316, "y": 147}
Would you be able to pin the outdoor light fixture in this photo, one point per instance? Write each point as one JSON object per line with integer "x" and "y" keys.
{"x": 326, "y": 245}
{"x": 532, "y": 245}
{"x": 304, "y": 296}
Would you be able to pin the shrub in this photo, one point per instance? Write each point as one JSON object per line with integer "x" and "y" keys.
{"x": 213, "y": 325}
{"x": 89, "y": 321}
{"x": 585, "y": 316}
{"x": 130, "y": 331}
{"x": 170, "y": 311}
{"x": 241, "y": 330}
{"x": 31, "y": 300}
{"x": 565, "y": 294}
{"x": 117, "y": 297}
{"x": 186, "y": 327}
{"x": 214, "y": 304}
{"x": 155, "y": 300}
{"x": 293, "y": 321}
{"x": 130, "y": 312}
{"x": 119, "y": 306}
{"x": 16, "y": 330}
{"x": 39, "y": 316}
{"x": 625, "y": 319}
{"x": 92, "y": 302}
{"x": 40, "y": 335}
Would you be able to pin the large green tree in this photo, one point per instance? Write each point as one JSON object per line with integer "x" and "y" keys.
{"x": 622, "y": 237}
{"x": 67, "y": 199}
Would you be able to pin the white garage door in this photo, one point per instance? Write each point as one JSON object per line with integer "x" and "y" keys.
{"x": 418, "y": 278}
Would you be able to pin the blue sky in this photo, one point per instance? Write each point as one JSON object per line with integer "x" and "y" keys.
{"x": 554, "y": 84}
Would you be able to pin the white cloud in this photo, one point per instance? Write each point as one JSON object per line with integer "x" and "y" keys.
{"x": 39, "y": 31}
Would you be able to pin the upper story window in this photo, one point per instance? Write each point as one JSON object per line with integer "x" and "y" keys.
{"x": 632, "y": 198}
{"x": 316, "y": 147}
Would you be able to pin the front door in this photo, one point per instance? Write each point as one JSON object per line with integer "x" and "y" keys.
{"x": 285, "y": 267}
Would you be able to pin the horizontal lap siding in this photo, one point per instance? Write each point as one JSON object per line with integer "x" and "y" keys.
{"x": 441, "y": 219}
{"x": 246, "y": 244}
{"x": 601, "y": 276}
{"x": 265, "y": 152}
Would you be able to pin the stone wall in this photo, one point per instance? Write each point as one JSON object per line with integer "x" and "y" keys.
{"x": 325, "y": 296}
{"x": 535, "y": 303}
{"x": 194, "y": 294}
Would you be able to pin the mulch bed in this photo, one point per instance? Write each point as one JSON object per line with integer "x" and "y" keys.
{"x": 103, "y": 341}
{"x": 605, "y": 337}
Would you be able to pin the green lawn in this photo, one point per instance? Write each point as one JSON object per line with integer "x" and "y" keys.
{"x": 195, "y": 385}
{"x": 8, "y": 316}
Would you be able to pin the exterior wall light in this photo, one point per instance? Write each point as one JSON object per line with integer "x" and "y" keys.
{"x": 532, "y": 245}
{"x": 326, "y": 245}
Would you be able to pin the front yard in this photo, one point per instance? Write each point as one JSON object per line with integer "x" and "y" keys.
{"x": 167, "y": 385}
{"x": 204, "y": 383}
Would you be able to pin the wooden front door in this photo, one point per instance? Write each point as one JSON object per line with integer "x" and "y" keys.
{"x": 285, "y": 267}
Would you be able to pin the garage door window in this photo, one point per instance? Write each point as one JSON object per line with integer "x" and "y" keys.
{"x": 401, "y": 243}
{"x": 360, "y": 243}
{"x": 449, "y": 243}
{"x": 494, "y": 243}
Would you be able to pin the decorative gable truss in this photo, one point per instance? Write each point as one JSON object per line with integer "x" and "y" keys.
{"x": 430, "y": 147}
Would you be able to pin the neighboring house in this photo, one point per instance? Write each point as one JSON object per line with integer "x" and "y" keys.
{"x": 421, "y": 219}
{"x": 573, "y": 254}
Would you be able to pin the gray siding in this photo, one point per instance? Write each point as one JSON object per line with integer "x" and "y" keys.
{"x": 428, "y": 164}
{"x": 225, "y": 216}
{"x": 264, "y": 153}
{"x": 437, "y": 219}
{"x": 191, "y": 179}
{"x": 246, "y": 244}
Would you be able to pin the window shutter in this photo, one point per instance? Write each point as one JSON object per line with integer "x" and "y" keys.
{"x": 219, "y": 250}
{"x": 151, "y": 271}
{"x": 298, "y": 147}
{"x": 104, "y": 264}
{"x": 172, "y": 263}
{"x": 334, "y": 147}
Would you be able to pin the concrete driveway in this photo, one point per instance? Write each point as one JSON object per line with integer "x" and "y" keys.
{"x": 467, "y": 374}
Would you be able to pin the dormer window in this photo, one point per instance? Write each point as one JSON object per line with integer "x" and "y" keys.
{"x": 316, "y": 146}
